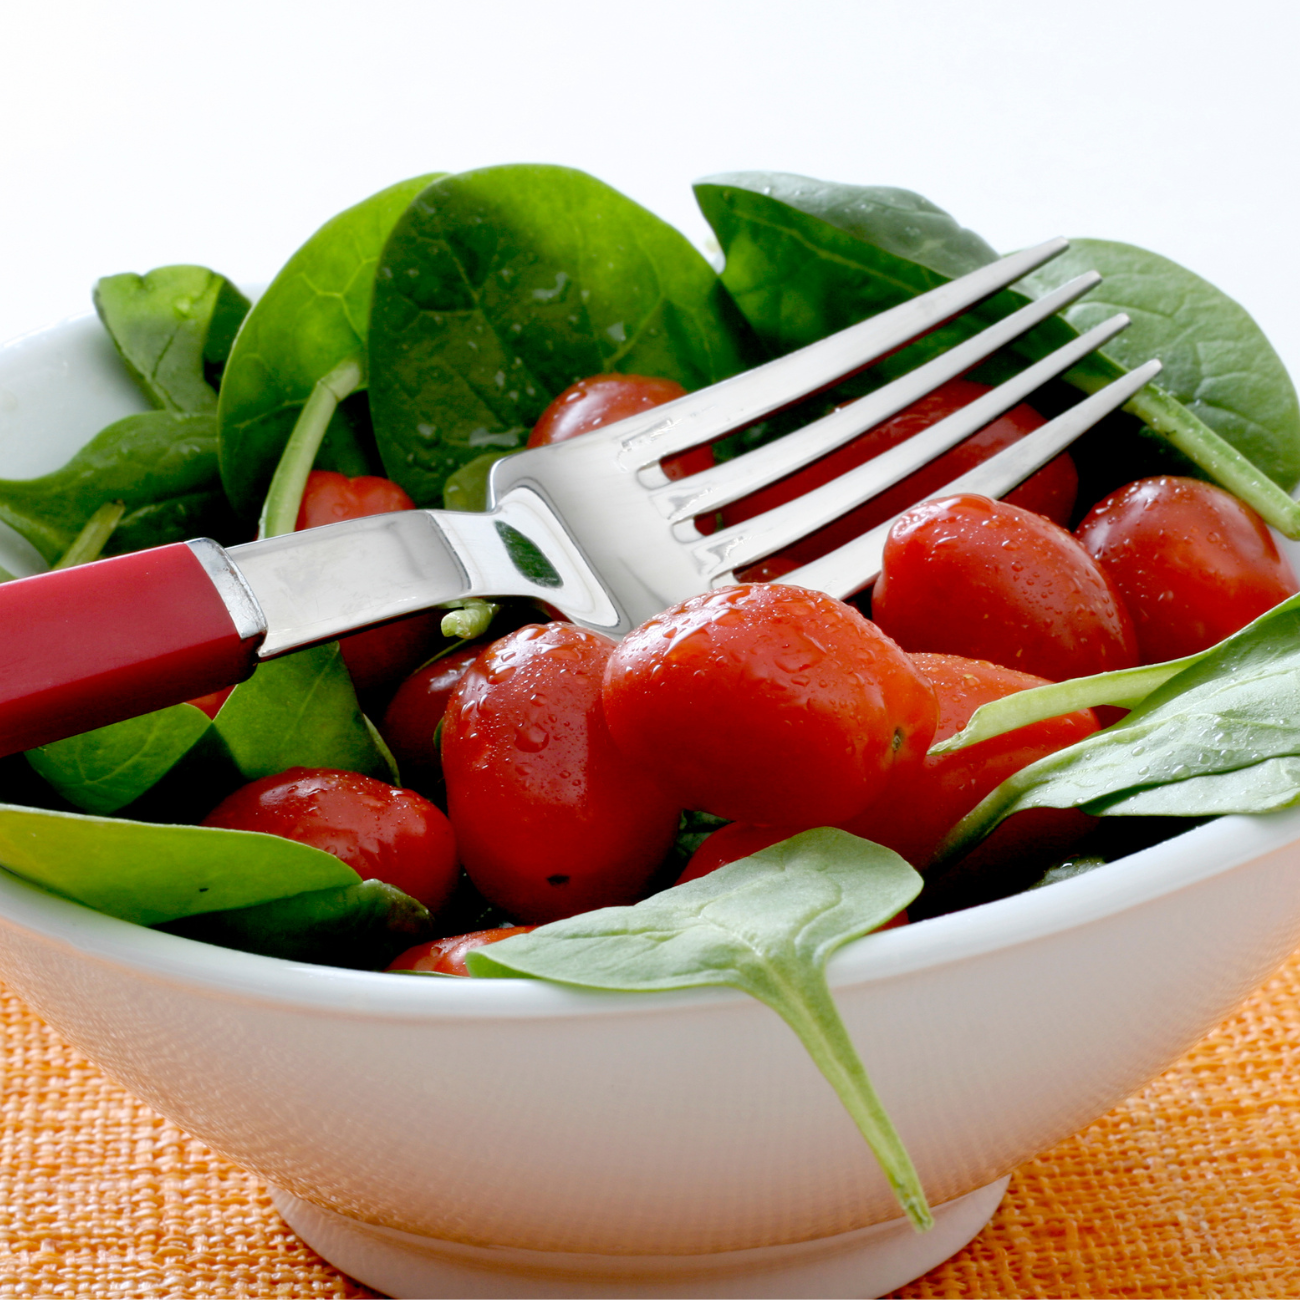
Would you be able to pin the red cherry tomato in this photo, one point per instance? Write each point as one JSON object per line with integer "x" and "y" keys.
{"x": 767, "y": 703}
{"x": 1192, "y": 562}
{"x": 383, "y": 832}
{"x": 605, "y": 399}
{"x": 447, "y": 956}
{"x": 379, "y": 655}
{"x": 413, "y": 714}
{"x": 1051, "y": 491}
{"x": 987, "y": 580}
{"x": 330, "y": 498}
{"x": 212, "y": 702}
{"x": 551, "y": 819}
{"x": 924, "y": 803}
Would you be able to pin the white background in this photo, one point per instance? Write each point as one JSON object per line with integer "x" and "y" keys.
{"x": 136, "y": 134}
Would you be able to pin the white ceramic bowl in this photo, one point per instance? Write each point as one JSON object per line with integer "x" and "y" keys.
{"x": 510, "y": 1138}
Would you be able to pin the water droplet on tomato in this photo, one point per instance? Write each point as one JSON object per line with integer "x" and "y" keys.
{"x": 532, "y": 737}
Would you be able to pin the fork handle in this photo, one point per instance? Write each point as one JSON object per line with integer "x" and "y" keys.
{"x": 101, "y": 642}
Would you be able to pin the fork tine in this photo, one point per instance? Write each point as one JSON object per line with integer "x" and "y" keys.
{"x": 856, "y": 564}
{"x": 743, "y": 543}
{"x": 713, "y": 488}
{"x": 645, "y": 438}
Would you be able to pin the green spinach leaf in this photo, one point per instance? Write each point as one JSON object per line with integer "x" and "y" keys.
{"x": 162, "y": 466}
{"x": 499, "y": 288}
{"x": 1220, "y": 734}
{"x": 1217, "y": 362}
{"x": 361, "y": 926}
{"x": 173, "y": 328}
{"x": 148, "y": 874}
{"x": 313, "y": 316}
{"x": 301, "y": 711}
{"x": 103, "y": 770}
{"x": 806, "y": 258}
{"x": 766, "y": 925}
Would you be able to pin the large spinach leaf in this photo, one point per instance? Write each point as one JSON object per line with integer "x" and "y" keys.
{"x": 1217, "y": 362}
{"x": 160, "y": 465}
{"x": 301, "y": 711}
{"x": 806, "y": 258}
{"x": 1220, "y": 734}
{"x": 499, "y": 288}
{"x": 148, "y": 874}
{"x": 313, "y": 316}
{"x": 766, "y": 925}
{"x": 103, "y": 770}
{"x": 173, "y": 328}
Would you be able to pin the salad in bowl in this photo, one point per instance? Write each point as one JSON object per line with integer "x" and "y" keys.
{"x": 457, "y": 930}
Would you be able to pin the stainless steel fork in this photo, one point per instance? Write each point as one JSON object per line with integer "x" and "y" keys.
{"x": 592, "y": 526}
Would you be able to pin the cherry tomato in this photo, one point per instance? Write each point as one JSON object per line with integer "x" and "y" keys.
{"x": 447, "y": 956}
{"x": 212, "y": 702}
{"x": 1192, "y": 562}
{"x": 413, "y": 714}
{"x": 330, "y": 498}
{"x": 985, "y": 579}
{"x": 383, "y": 832}
{"x": 605, "y": 399}
{"x": 1051, "y": 491}
{"x": 924, "y": 803}
{"x": 767, "y": 703}
{"x": 379, "y": 655}
{"x": 551, "y": 819}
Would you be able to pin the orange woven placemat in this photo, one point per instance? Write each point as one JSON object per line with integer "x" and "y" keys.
{"x": 1188, "y": 1189}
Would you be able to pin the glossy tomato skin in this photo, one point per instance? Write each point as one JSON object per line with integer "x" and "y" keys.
{"x": 330, "y": 498}
{"x": 447, "y": 956}
{"x": 1051, "y": 491}
{"x": 767, "y": 703}
{"x": 381, "y": 831}
{"x": 1193, "y": 563}
{"x": 411, "y": 720}
{"x": 378, "y": 656}
{"x": 606, "y": 399}
{"x": 984, "y": 579}
{"x": 923, "y": 804}
{"x": 551, "y": 819}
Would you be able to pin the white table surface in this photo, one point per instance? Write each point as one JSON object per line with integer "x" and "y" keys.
{"x": 149, "y": 132}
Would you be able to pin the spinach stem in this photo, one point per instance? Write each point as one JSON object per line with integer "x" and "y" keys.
{"x": 1225, "y": 465}
{"x": 283, "y": 499}
{"x": 811, "y": 1012}
{"x": 94, "y": 535}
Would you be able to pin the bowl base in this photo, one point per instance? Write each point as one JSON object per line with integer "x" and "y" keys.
{"x": 869, "y": 1262}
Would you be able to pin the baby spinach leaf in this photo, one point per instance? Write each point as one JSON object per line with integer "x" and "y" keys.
{"x": 103, "y": 770}
{"x": 361, "y": 926}
{"x": 1219, "y": 735}
{"x": 805, "y": 258}
{"x": 173, "y": 327}
{"x": 766, "y": 925}
{"x": 313, "y": 316}
{"x": 1217, "y": 362}
{"x": 301, "y": 711}
{"x": 499, "y": 288}
{"x": 161, "y": 466}
{"x": 149, "y": 874}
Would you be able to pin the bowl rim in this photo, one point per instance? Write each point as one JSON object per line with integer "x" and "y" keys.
{"x": 1176, "y": 864}
{"x": 1179, "y": 863}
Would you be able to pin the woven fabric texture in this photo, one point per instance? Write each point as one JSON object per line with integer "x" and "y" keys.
{"x": 1189, "y": 1189}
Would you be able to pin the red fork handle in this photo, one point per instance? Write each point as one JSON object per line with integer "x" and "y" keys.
{"x": 90, "y": 645}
